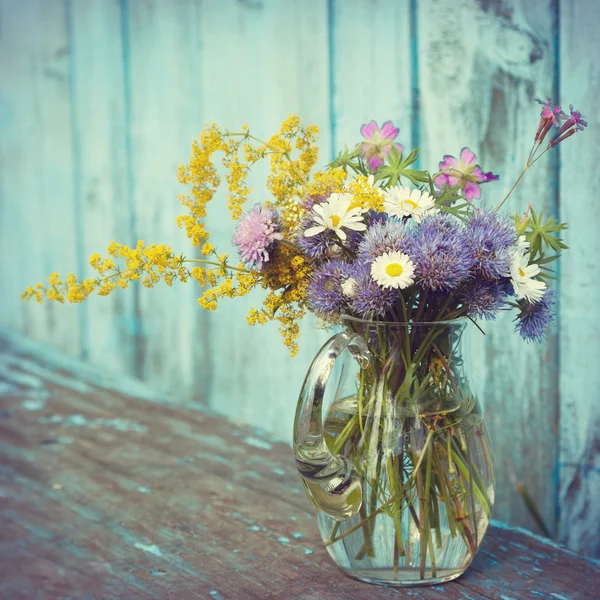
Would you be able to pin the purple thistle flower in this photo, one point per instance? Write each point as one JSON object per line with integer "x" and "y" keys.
{"x": 484, "y": 299}
{"x": 256, "y": 234}
{"x": 390, "y": 235}
{"x": 440, "y": 253}
{"x": 465, "y": 172}
{"x": 317, "y": 246}
{"x": 325, "y": 295}
{"x": 489, "y": 237}
{"x": 534, "y": 318}
{"x": 326, "y": 243}
{"x": 369, "y": 299}
{"x": 374, "y": 216}
{"x": 378, "y": 142}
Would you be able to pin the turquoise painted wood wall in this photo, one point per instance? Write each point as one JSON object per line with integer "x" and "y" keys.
{"x": 99, "y": 101}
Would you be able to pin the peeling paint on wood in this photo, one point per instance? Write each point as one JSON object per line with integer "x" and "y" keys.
{"x": 116, "y": 511}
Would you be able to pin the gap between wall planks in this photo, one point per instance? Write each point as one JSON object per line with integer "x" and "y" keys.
{"x": 100, "y": 102}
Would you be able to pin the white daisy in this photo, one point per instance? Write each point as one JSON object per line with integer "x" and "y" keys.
{"x": 404, "y": 202}
{"x": 522, "y": 244}
{"x": 336, "y": 214}
{"x": 393, "y": 270}
{"x": 522, "y": 276}
{"x": 349, "y": 287}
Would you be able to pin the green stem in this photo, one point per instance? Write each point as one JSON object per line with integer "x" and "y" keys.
{"x": 472, "y": 496}
{"x": 381, "y": 509}
{"x": 275, "y": 149}
{"x": 344, "y": 435}
{"x": 215, "y": 264}
{"x": 422, "y": 528}
{"x": 443, "y": 492}
{"x": 479, "y": 488}
{"x": 512, "y": 188}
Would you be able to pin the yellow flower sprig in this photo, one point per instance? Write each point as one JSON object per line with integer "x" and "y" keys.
{"x": 285, "y": 277}
{"x": 150, "y": 265}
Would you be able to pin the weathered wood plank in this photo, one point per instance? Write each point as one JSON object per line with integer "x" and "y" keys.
{"x": 579, "y": 431}
{"x": 101, "y": 170}
{"x": 476, "y": 91}
{"x": 163, "y": 89}
{"x": 370, "y": 79}
{"x": 274, "y": 54}
{"x": 38, "y": 211}
{"x": 108, "y": 495}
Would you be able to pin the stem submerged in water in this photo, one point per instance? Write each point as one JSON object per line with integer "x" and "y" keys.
{"x": 412, "y": 441}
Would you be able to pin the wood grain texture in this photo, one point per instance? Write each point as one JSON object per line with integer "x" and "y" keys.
{"x": 274, "y": 56}
{"x": 477, "y": 91}
{"x": 106, "y": 495}
{"x": 36, "y": 167}
{"x": 164, "y": 98}
{"x": 579, "y": 466}
{"x": 99, "y": 102}
{"x": 370, "y": 79}
{"x": 101, "y": 168}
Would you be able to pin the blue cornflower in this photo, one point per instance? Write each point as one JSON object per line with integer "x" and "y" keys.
{"x": 489, "y": 237}
{"x": 368, "y": 299}
{"x": 390, "y": 235}
{"x": 484, "y": 298}
{"x": 533, "y": 320}
{"x": 325, "y": 295}
{"x": 440, "y": 253}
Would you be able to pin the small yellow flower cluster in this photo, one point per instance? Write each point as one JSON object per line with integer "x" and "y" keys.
{"x": 364, "y": 194}
{"x": 287, "y": 276}
{"x": 149, "y": 264}
{"x": 202, "y": 175}
{"x": 325, "y": 183}
{"x": 289, "y": 178}
{"x": 225, "y": 288}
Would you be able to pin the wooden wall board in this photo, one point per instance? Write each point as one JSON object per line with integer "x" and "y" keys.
{"x": 578, "y": 470}
{"x": 477, "y": 90}
{"x": 274, "y": 54}
{"x": 37, "y": 168}
{"x": 101, "y": 170}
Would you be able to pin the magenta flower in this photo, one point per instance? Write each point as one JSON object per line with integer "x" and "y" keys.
{"x": 379, "y": 142}
{"x": 572, "y": 125}
{"x": 256, "y": 234}
{"x": 550, "y": 115}
{"x": 465, "y": 172}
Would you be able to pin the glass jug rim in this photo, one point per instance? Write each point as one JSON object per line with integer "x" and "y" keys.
{"x": 370, "y": 322}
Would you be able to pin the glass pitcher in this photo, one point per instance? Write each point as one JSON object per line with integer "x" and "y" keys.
{"x": 400, "y": 467}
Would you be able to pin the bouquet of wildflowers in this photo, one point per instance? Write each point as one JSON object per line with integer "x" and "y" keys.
{"x": 369, "y": 236}
{"x": 369, "y": 239}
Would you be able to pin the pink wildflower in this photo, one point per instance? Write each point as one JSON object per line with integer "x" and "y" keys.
{"x": 379, "y": 142}
{"x": 572, "y": 125}
{"x": 551, "y": 115}
{"x": 256, "y": 233}
{"x": 465, "y": 172}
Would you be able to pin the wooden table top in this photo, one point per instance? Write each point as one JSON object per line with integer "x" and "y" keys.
{"x": 110, "y": 491}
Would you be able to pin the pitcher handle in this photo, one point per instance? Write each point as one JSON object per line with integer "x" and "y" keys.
{"x": 330, "y": 480}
